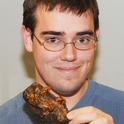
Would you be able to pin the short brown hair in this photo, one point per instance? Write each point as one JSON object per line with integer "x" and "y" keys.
{"x": 76, "y": 6}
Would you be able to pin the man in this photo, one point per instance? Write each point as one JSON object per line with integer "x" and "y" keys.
{"x": 62, "y": 36}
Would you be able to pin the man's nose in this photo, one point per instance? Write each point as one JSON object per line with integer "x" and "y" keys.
{"x": 69, "y": 53}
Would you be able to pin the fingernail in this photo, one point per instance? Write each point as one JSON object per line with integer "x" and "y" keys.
{"x": 69, "y": 116}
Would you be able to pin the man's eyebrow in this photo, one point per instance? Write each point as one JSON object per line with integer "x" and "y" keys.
{"x": 57, "y": 33}
{"x": 85, "y": 33}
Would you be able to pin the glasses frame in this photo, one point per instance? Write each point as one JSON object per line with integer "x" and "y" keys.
{"x": 42, "y": 44}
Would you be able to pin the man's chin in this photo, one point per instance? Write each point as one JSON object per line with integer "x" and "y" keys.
{"x": 66, "y": 92}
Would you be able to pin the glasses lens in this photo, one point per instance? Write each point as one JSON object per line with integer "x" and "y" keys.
{"x": 85, "y": 42}
{"x": 53, "y": 44}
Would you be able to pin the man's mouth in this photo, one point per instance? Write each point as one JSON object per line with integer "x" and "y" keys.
{"x": 67, "y": 68}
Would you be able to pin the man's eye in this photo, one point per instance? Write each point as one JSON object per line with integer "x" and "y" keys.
{"x": 84, "y": 40}
{"x": 52, "y": 40}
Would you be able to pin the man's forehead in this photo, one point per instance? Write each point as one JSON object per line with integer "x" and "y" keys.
{"x": 56, "y": 20}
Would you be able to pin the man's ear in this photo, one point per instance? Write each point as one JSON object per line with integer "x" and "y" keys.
{"x": 97, "y": 33}
{"x": 97, "y": 36}
{"x": 26, "y": 37}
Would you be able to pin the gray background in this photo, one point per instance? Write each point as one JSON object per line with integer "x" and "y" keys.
{"x": 13, "y": 63}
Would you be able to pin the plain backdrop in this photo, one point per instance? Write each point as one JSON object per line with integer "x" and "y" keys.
{"x": 16, "y": 71}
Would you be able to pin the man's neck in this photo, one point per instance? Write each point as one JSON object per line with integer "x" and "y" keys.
{"x": 71, "y": 101}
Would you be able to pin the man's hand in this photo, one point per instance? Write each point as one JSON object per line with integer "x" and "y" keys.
{"x": 89, "y": 115}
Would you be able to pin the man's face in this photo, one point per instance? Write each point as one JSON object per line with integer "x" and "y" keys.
{"x": 66, "y": 70}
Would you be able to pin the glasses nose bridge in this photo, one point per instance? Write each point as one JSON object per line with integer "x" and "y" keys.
{"x": 71, "y": 43}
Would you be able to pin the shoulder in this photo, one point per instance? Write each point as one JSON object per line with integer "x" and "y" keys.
{"x": 109, "y": 100}
{"x": 12, "y": 104}
{"x": 11, "y": 108}
{"x": 109, "y": 93}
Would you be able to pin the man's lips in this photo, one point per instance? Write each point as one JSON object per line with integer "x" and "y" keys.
{"x": 67, "y": 68}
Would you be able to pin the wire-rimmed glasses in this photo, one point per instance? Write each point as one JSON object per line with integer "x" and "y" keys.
{"x": 57, "y": 43}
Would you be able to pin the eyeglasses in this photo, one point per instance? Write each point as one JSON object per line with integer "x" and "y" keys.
{"x": 57, "y": 43}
